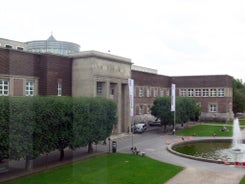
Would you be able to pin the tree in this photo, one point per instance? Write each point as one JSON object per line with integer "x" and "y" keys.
{"x": 21, "y": 123}
{"x": 161, "y": 110}
{"x": 4, "y": 128}
{"x": 93, "y": 120}
{"x": 238, "y": 96}
{"x": 186, "y": 109}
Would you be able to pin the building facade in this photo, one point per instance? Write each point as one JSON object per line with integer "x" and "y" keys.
{"x": 96, "y": 74}
{"x": 99, "y": 74}
{"x": 212, "y": 92}
{"x": 90, "y": 74}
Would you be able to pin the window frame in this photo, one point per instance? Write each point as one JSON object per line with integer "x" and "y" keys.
{"x": 29, "y": 88}
{"x": 4, "y": 87}
{"x": 59, "y": 89}
{"x": 213, "y": 107}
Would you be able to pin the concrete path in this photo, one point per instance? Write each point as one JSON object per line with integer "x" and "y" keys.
{"x": 203, "y": 176}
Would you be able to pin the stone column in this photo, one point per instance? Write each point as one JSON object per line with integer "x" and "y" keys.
{"x": 118, "y": 97}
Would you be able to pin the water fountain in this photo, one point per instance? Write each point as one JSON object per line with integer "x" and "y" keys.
{"x": 214, "y": 149}
{"x": 237, "y": 137}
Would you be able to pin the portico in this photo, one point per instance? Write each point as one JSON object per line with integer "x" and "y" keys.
{"x": 96, "y": 74}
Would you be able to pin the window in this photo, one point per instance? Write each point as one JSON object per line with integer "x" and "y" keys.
{"x": 221, "y": 92}
{"x": 99, "y": 88}
{"x": 198, "y": 92}
{"x": 205, "y": 92}
{"x": 155, "y": 92}
{"x": 59, "y": 89}
{"x": 29, "y": 88}
{"x": 148, "y": 92}
{"x": 213, "y": 92}
{"x": 20, "y": 48}
{"x": 111, "y": 93}
{"x": 190, "y": 92}
{"x": 141, "y": 109}
{"x": 140, "y": 92}
{"x": 4, "y": 87}
{"x": 182, "y": 92}
{"x": 148, "y": 109}
{"x": 161, "y": 92}
{"x": 212, "y": 108}
{"x": 8, "y": 46}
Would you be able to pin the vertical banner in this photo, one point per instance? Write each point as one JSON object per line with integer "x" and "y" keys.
{"x": 131, "y": 96}
{"x": 173, "y": 97}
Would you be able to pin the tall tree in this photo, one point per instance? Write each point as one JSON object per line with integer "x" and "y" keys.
{"x": 238, "y": 96}
{"x": 186, "y": 109}
{"x": 4, "y": 128}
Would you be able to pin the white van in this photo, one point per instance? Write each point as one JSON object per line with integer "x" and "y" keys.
{"x": 139, "y": 128}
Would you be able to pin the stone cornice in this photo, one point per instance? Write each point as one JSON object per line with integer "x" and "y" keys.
{"x": 101, "y": 55}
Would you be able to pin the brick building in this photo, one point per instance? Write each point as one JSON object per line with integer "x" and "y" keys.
{"x": 89, "y": 73}
{"x": 212, "y": 92}
{"x": 27, "y": 74}
{"x": 92, "y": 73}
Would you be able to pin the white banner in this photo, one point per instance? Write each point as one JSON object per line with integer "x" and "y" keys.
{"x": 173, "y": 97}
{"x": 131, "y": 96}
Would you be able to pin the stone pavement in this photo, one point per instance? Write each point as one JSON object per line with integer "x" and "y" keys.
{"x": 203, "y": 176}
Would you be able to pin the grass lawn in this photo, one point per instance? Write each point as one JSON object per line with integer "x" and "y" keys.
{"x": 243, "y": 180}
{"x": 241, "y": 121}
{"x": 106, "y": 169}
{"x": 205, "y": 130}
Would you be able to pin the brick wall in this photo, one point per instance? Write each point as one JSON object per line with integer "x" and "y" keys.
{"x": 144, "y": 81}
{"x": 47, "y": 68}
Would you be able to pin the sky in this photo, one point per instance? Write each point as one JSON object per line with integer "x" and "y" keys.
{"x": 175, "y": 37}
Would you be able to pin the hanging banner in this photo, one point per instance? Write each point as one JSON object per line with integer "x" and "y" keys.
{"x": 131, "y": 96}
{"x": 173, "y": 97}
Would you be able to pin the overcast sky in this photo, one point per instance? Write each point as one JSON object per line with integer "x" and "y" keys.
{"x": 176, "y": 37}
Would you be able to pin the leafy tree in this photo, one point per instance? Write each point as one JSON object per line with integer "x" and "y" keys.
{"x": 31, "y": 126}
{"x": 161, "y": 110}
{"x": 238, "y": 96}
{"x": 21, "y": 125}
{"x": 186, "y": 109}
{"x": 93, "y": 120}
{"x": 4, "y": 128}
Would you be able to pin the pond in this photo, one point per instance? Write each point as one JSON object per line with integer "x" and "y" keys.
{"x": 211, "y": 150}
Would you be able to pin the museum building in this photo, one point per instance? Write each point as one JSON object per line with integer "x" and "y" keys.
{"x": 92, "y": 73}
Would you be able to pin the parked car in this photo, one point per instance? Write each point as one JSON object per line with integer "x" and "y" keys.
{"x": 155, "y": 123}
{"x": 139, "y": 128}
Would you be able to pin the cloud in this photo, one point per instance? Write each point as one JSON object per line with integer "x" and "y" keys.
{"x": 176, "y": 37}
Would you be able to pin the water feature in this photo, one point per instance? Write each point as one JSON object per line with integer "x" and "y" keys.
{"x": 237, "y": 137}
{"x": 214, "y": 149}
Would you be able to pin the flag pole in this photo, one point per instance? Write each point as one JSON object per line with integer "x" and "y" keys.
{"x": 173, "y": 105}
{"x": 131, "y": 106}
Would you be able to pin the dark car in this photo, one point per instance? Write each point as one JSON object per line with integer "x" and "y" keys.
{"x": 155, "y": 123}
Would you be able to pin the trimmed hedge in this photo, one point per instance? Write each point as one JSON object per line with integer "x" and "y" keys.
{"x": 30, "y": 126}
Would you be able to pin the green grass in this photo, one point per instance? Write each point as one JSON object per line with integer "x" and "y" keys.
{"x": 106, "y": 169}
{"x": 242, "y": 181}
{"x": 205, "y": 130}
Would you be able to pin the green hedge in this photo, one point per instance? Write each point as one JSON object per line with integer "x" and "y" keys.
{"x": 30, "y": 126}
